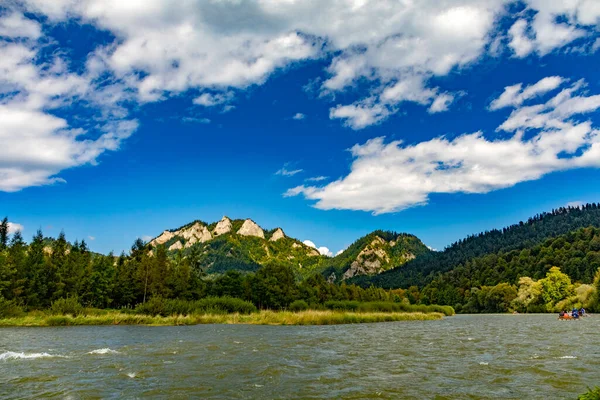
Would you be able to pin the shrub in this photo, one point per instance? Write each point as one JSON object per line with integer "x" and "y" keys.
{"x": 224, "y": 305}
{"x": 386, "y": 306}
{"x": 9, "y": 309}
{"x": 591, "y": 394}
{"x": 66, "y": 306}
{"x": 299, "y": 305}
{"x": 208, "y": 305}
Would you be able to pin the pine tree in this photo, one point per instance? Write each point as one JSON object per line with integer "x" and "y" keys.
{"x": 4, "y": 233}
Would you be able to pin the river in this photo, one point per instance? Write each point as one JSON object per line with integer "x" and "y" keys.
{"x": 467, "y": 356}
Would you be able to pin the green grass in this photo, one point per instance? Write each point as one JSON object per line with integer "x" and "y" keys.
{"x": 310, "y": 317}
{"x": 386, "y": 306}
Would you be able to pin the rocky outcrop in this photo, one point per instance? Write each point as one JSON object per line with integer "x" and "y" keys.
{"x": 223, "y": 226}
{"x": 369, "y": 261}
{"x": 250, "y": 228}
{"x": 176, "y": 246}
{"x": 163, "y": 238}
{"x": 278, "y": 234}
{"x": 197, "y": 233}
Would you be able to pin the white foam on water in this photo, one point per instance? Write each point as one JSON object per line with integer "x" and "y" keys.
{"x": 236, "y": 342}
{"x": 469, "y": 338}
{"x": 11, "y": 355}
{"x": 258, "y": 386}
{"x": 568, "y": 357}
{"x": 104, "y": 351}
{"x": 131, "y": 375}
{"x": 484, "y": 363}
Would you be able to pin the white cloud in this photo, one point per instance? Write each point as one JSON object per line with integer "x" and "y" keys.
{"x": 361, "y": 114}
{"x": 394, "y": 48}
{"x": 340, "y": 252}
{"x": 515, "y": 95}
{"x": 554, "y": 25}
{"x": 284, "y": 171}
{"x": 441, "y": 103}
{"x": 35, "y": 143}
{"x": 388, "y": 177}
{"x": 147, "y": 238}
{"x": 316, "y": 179}
{"x": 576, "y": 204}
{"x": 211, "y": 100}
{"x": 299, "y": 116}
{"x": 92, "y": 238}
{"x": 14, "y": 227}
{"x": 162, "y": 50}
{"x": 324, "y": 251}
{"x": 15, "y": 25}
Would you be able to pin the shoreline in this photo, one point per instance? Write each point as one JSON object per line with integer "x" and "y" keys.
{"x": 258, "y": 318}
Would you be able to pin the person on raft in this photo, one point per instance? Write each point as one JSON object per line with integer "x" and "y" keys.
{"x": 575, "y": 313}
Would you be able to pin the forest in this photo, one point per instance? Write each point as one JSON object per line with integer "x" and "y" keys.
{"x": 36, "y": 275}
{"x": 537, "y": 229}
{"x": 548, "y": 263}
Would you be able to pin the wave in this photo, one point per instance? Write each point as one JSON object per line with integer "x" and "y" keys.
{"x": 569, "y": 357}
{"x": 12, "y": 355}
{"x": 106, "y": 350}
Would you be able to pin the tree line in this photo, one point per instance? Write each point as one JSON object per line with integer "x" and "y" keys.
{"x": 424, "y": 269}
{"x": 35, "y": 275}
{"x": 495, "y": 282}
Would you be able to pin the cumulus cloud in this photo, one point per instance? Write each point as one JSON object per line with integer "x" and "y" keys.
{"x": 554, "y": 24}
{"x": 324, "y": 251}
{"x": 35, "y": 143}
{"x": 394, "y": 48}
{"x": 211, "y": 100}
{"x": 14, "y": 227}
{"x": 546, "y": 137}
{"x": 441, "y": 103}
{"x": 515, "y": 95}
{"x": 299, "y": 116}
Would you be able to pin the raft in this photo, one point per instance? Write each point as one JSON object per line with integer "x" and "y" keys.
{"x": 568, "y": 317}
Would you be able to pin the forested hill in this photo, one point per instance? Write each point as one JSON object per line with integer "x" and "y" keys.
{"x": 374, "y": 253}
{"x": 576, "y": 253}
{"x": 423, "y": 269}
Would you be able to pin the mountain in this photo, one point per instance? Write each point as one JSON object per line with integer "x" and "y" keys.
{"x": 243, "y": 245}
{"x": 375, "y": 253}
{"x": 239, "y": 245}
{"x": 576, "y": 253}
{"x": 422, "y": 270}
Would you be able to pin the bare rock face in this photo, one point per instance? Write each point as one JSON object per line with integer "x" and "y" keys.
{"x": 176, "y": 246}
{"x": 278, "y": 234}
{"x": 163, "y": 238}
{"x": 223, "y": 226}
{"x": 249, "y": 228}
{"x": 369, "y": 261}
{"x": 194, "y": 234}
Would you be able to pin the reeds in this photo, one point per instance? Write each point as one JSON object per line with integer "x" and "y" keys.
{"x": 310, "y": 317}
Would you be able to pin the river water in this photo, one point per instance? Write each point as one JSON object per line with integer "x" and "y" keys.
{"x": 478, "y": 356}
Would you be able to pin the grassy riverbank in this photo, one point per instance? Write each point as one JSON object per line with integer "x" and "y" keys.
{"x": 259, "y": 318}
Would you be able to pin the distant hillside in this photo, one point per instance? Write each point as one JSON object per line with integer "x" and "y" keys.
{"x": 375, "y": 253}
{"x": 239, "y": 245}
{"x": 422, "y": 270}
{"x": 576, "y": 253}
{"x": 244, "y": 246}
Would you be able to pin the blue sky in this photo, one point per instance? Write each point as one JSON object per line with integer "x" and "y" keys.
{"x": 440, "y": 118}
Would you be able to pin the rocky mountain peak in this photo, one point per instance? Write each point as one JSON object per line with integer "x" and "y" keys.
{"x": 250, "y": 228}
{"x": 223, "y": 226}
{"x": 278, "y": 234}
